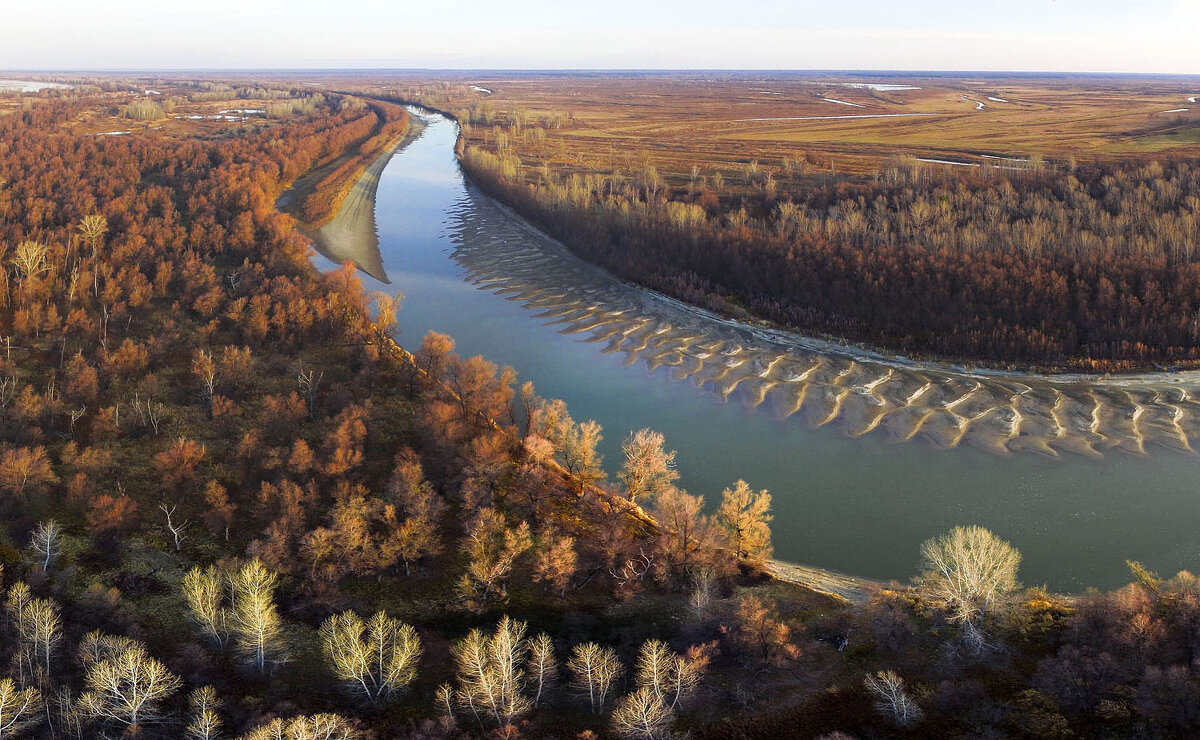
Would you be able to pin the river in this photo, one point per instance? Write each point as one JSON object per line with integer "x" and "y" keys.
{"x": 865, "y": 456}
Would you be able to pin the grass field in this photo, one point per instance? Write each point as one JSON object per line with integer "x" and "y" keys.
{"x": 823, "y": 123}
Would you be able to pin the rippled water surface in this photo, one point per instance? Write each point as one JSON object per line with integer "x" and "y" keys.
{"x": 866, "y": 456}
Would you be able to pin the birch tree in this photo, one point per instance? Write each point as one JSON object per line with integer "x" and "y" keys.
{"x": 642, "y": 716}
{"x": 971, "y": 569}
{"x": 42, "y": 633}
{"x": 374, "y": 659}
{"x": 892, "y": 698}
{"x": 205, "y": 591}
{"x": 254, "y": 619}
{"x": 20, "y": 709}
{"x": 38, "y": 629}
{"x": 542, "y": 667}
{"x": 204, "y": 723}
{"x": 673, "y": 678}
{"x": 46, "y": 542}
{"x": 125, "y": 684}
{"x": 315, "y": 727}
{"x": 594, "y": 669}
{"x": 491, "y": 673}
{"x": 93, "y": 228}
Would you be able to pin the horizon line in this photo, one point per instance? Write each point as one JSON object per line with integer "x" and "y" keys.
{"x": 590, "y": 70}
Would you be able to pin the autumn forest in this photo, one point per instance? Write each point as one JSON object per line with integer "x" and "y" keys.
{"x": 239, "y": 503}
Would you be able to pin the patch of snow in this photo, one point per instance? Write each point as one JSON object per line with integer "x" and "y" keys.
{"x": 1177, "y": 110}
{"x": 246, "y": 111}
{"x": 153, "y": 92}
{"x": 997, "y": 100}
{"x": 481, "y": 90}
{"x": 842, "y": 102}
{"x": 113, "y": 133}
{"x": 833, "y": 118}
{"x": 1192, "y": 99}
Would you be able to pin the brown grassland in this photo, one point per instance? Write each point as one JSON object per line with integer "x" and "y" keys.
{"x": 1047, "y": 222}
{"x": 675, "y": 122}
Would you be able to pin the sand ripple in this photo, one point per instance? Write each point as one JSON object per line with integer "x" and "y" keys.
{"x": 818, "y": 382}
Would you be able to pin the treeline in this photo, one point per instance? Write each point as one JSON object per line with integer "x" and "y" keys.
{"x": 1092, "y": 266}
{"x": 328, "y": 194}
{"x": 234, "y": 507}
{"x": 207, "y": 452}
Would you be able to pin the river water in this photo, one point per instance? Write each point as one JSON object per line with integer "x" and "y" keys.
{"x": 865, "y": 456}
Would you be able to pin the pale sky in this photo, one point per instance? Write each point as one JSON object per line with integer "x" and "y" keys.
{"x": 1011, "y": 35}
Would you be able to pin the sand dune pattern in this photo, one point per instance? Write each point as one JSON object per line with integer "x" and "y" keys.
{"x": 820, "y": 382}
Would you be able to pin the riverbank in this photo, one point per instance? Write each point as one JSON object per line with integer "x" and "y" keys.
{"x": 505, "y": 291}
{"x": 351, "y": 236}
{"x": 812, "y": 275}
{"x": 828, "y": 344}
{"x": 351, "y": 233}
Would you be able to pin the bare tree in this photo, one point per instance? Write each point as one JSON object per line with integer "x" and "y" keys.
{"x": 491, "y": 673}
{"x": 29, "y": 258}
{"x": 254, "y": 618}
{"x": 310, "y": 384}
{"x": 375, "y": 659}
{"x": 178, "y": 530}
{"x": 315, "y": 727}
{"x": 44, "y": 632}
{"x": 125, "y": 685}
{"x": 93, "y": 228}
{"x": 655, "y": 663}
{"x": 38, "y": 629}
{"x": 16, "y": 604}
{"x": 971, "y": 569}
{"x": 542, "y": 666}
{"x": 642, "y": 716}
{"x": 701, "y": 598}
{"x": 892, "y": 698}
{"x": 594, "y": 669}
{"x": 648, "y": 469}
{"x": 673, "y": 678}
{"x": 46, "y": 542}
{"x": 20, "y": 709}
{"x": 203, "y": 721}
{"x": 205, "y": 371}
{"x": 204, "y": 591}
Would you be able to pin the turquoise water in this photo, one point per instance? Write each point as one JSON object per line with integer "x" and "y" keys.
{"x": 857, "y": 504}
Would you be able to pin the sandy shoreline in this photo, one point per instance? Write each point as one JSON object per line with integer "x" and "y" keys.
{"x": 352, "y": 234}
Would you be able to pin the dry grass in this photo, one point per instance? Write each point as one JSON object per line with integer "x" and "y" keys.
{"x": 675, "y": 122}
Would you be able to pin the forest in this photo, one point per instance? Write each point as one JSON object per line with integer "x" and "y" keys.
{"x": 236, "y": 506}
{"x": 1056, "y": 263}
